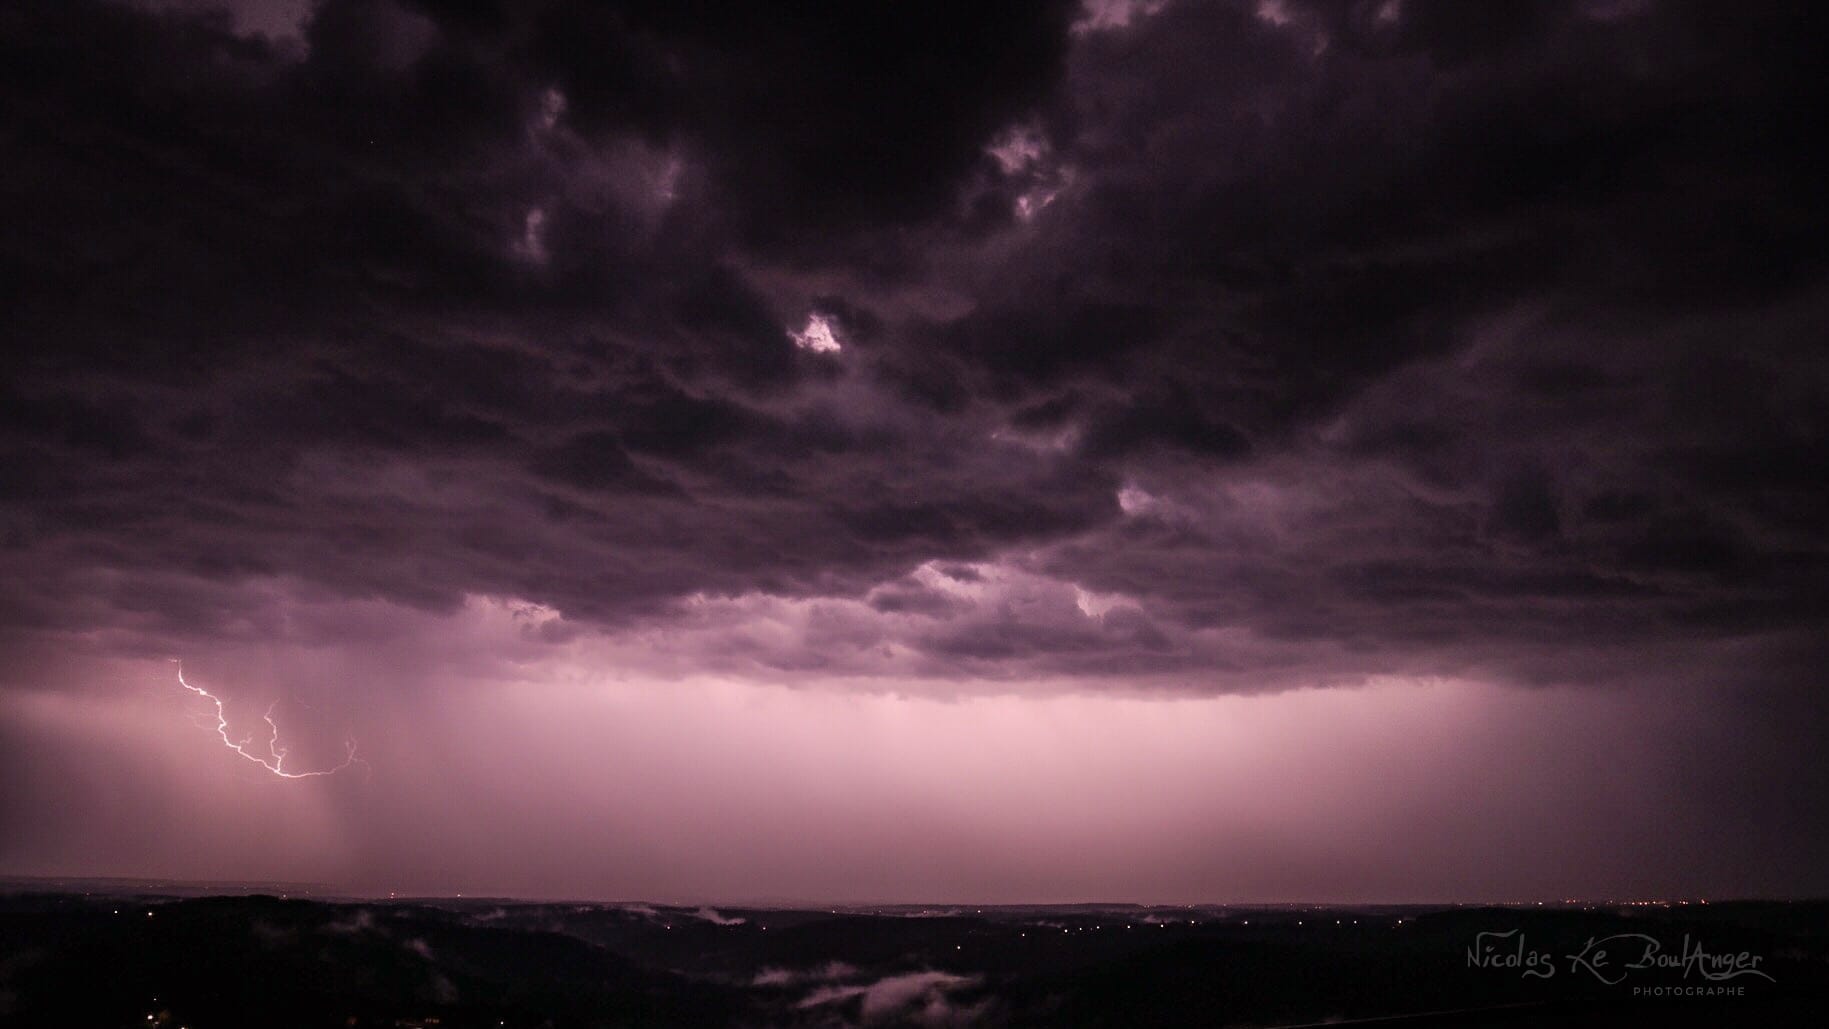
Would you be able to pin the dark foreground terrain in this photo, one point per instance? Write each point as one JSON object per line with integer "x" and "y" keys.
{"x": 105, "y": 955}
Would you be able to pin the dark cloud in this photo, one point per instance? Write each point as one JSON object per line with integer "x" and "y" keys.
{"x": 1319, "y": 340}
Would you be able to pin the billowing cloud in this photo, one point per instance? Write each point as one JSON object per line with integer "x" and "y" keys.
{"x": 1100, "y": 350}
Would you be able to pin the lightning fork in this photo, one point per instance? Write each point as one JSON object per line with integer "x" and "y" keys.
{"x": 275, "y": 760}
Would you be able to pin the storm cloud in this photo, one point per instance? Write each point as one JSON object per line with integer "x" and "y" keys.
{"x": 1169, "y": 350}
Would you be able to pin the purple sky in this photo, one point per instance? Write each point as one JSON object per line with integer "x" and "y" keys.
{"x": 1160, "y": 451}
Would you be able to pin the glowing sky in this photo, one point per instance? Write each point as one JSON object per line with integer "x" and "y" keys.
{"x": 1159, "y": 451}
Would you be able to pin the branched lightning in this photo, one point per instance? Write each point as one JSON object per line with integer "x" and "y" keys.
{"x": 275, "y": 759}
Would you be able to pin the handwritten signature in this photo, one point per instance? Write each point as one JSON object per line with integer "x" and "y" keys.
{"x": 1611, "y": 959}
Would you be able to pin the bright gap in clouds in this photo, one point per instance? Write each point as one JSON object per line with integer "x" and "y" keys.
{"x": 818, "y": 336}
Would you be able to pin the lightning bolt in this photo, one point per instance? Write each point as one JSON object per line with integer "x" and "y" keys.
{"x": 275, "y": 759}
